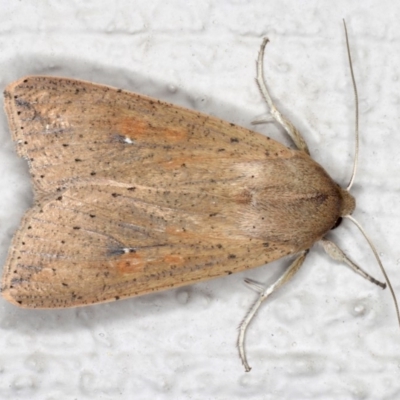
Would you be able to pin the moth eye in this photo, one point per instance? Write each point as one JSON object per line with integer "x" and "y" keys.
{"x": 337, "y": 223}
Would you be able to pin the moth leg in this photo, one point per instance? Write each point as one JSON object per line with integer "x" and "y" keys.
{"x": 264, "y": 293}
{"x": 266, "y": 120}
{"x": 334, "y": 252}
{"x": 276, "y": 114}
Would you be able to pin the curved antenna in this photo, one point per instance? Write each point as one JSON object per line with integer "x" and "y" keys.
{"x": 356, "y": 108}
{"x": 379, "y": 262}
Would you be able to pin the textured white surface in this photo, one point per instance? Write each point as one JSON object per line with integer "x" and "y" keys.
{"x": 328, "y": 334}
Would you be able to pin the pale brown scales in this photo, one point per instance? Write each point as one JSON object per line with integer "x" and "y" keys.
{"x": 135, "y": 195}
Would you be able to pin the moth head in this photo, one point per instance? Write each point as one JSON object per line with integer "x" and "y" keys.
{"x": 348, "y": 203}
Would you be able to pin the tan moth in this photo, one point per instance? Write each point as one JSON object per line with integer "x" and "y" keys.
{"x": 134, "y": 195}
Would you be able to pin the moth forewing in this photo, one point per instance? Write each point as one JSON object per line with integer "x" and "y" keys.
{"x": 136, "y": 195}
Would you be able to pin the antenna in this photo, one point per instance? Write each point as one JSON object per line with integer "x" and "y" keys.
{"x": 356, "y": 108}
{"x": 379, "y": 262}
{"x": 354, "y": 173}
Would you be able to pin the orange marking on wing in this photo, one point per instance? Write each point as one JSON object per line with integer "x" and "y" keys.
{"x": 133, "y": 128}
{"x": 174, "y": 259}
{"x": 130, "y": 263}
{"x": 140, "y": 129}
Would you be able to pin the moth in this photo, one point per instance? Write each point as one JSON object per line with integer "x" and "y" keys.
{"x": 135, "y": 195}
